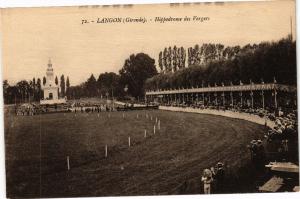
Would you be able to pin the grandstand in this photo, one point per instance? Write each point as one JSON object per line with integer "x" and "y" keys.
{"x": 269, "y": 95}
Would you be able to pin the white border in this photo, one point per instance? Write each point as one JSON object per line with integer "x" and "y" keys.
{"x": 42, "y": 3}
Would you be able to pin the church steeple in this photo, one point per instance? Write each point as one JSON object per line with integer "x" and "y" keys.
{"x": 49, "y": 63}
{"x": 50, "y": 88}
{"x": 49, "y": 72}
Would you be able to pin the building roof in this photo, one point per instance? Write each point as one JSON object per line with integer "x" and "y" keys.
{"x": 232, "y": 88}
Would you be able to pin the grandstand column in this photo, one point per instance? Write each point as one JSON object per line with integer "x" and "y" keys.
{"x": 275, "y": 93}
{"x": 241, "y": 95}
{"x": 203, "y": 100}
{"x": 231, "y": 98}
{"x": 275, "y": 98}
{"x": 168, "y": 99}
{"x": 197, "y": 97}
{"x": 223, "y": 95}
{"x": 216, "y": 98}
{"x": 208, "y": 98}
{"x": 263, "y": 99}
{"x": 251, "y": 94}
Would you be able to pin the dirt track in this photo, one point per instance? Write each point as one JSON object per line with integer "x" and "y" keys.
{"x": 160, "y": 164}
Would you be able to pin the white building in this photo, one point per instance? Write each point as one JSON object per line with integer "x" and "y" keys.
{"x": 50, "y": 89}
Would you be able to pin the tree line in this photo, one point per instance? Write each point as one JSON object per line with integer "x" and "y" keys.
{"x": 128, "y": 82}
{"x": 30, "y": 91}
{"x": 215, "y": 64}
{"x": 174, "y": 59}
{"x": 209, "y": 64}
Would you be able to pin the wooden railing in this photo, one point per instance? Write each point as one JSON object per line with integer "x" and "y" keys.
{"x": 233, "y": 88}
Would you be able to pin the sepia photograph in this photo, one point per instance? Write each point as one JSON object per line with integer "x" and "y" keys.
{"x": 150, "y": 99}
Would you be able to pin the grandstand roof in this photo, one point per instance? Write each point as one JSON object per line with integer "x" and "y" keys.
{"x": 232, "y": 88}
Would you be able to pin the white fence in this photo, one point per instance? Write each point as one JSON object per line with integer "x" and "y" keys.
{"x": 227, "y": 113}
{"x": 53, "y": 101}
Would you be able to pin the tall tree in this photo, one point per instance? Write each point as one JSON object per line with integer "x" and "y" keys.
{"x": 175, "y": 58}
{"x": 44, "y": 80}
{"x": 165, "y": 59}
{"x": 91, "y": 86}
{"x": 34, "y": 89}
{"x": 109, "y": 83}
{"x": 182, "y": 57}
{"x": 68, "y": 87}
{"x": 170, "y": 59}
{"x": 5, "y": 91}
{"x": 39, "y": 89}
{"x": 56, "y": 80}
{"x": 137, "y": 68}
{"x": 23, "y": 88}
{"x": 62, "y": 86}
{"x": 160, "y": 61}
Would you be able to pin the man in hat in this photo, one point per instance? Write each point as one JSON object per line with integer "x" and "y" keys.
{"x": 220, "y": 176}
{"x": 253, "y": 150}
{"x": 260, "y": 154}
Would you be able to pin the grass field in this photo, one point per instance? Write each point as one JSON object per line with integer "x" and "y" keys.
{"x": 169, "y": 162}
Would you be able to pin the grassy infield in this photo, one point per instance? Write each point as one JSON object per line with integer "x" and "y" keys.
{"x": 169, "y": 162}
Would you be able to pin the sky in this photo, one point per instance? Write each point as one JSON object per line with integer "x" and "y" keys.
{"x": 30, "y": 36}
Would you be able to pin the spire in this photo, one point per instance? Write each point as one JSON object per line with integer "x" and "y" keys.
{"x": 49, "y": 63}
{"x": 49, "y": 69}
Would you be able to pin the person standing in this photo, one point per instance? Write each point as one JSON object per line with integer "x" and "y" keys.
{"x": 207, "y": 180}
{"x": 220, "y": 177}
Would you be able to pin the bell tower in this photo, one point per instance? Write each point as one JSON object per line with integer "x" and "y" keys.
{"x": 49, "y": 74}
{"x": 50, "y": 89}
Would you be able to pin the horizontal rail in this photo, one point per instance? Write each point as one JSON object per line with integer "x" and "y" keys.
{"x": 233, "y": 88}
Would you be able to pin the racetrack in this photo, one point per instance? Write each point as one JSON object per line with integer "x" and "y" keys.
{"x": 169, "y": 162}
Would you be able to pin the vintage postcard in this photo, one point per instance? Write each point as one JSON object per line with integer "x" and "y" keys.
{"x": 150, "y": 99}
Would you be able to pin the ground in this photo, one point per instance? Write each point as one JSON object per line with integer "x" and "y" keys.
{"x": 169, "y": 162}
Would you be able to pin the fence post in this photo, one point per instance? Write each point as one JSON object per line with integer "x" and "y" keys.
{"x": 145, "y": 133}
{"x": 129, "y": 141}
{"x": 154, "y": 129}
{"x": 106, "y": 150}
{"x": 158, "y": 125}
{"x": 68, "y": 162}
